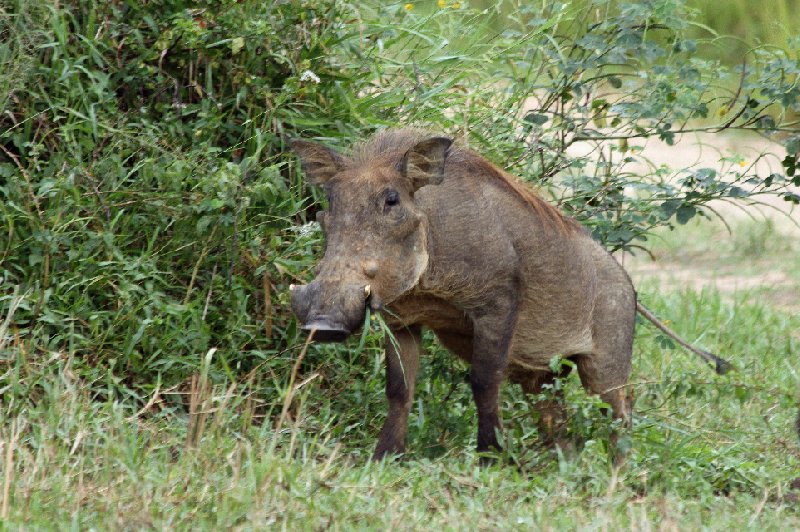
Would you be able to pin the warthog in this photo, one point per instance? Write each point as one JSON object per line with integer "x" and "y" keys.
{"x": 441, "y": 238}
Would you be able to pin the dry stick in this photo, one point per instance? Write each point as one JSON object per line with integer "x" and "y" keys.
{"x": 290, "y": 391}
{"x": 155, "y": 397}
{"x": 196, "y": 269}
{"x": 8, "y": 464}
{"x": 721, "y": 366}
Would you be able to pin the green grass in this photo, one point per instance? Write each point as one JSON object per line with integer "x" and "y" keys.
{"x": 707, "y": 451}
{"x": 740, "y": 239}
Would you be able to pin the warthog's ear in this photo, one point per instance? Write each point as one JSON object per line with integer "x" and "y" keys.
{"x": 424, "y": 163}
{"x": 319, "y": 162}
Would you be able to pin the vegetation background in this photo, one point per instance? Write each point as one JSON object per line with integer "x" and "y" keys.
{"x": 151, "y": 373}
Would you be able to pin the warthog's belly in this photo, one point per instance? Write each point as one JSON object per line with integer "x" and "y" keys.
{"x": 543, "y": 333}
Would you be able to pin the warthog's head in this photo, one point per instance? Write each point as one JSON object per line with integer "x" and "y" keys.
{"x": 376, "y": 236}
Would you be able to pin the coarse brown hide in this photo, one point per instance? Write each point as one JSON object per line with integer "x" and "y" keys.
{"x": 441, "y": 238}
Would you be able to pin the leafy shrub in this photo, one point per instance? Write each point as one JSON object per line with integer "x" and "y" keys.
{"x": 148, "y": 203}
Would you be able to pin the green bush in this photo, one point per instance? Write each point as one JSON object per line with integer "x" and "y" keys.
{"x": 147, "y": 201}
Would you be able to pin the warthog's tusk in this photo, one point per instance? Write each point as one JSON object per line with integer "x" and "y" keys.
{"x": 367, "y": 291}
{"x": 292, "y": 287}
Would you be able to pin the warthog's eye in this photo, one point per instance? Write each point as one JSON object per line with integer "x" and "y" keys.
{"x": 392, "y": 198}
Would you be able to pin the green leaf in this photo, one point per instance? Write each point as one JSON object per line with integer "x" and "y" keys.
{"x": 236, "y": 45}
{"x": 791, "y": 197}
{"x": 685, "y": 213}
{"x": 536, "y": 118}
{"x": 790, "y": 163}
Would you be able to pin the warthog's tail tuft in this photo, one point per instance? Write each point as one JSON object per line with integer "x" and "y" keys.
{"x": 721, "y": 366}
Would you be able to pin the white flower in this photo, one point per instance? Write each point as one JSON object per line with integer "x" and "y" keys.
{"x": 307, "y": 75}
{"x": 307, "y": 229}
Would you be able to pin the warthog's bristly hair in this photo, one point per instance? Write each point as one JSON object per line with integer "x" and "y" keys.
{"x": 390, "y": 144}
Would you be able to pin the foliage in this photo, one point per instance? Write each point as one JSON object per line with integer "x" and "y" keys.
{"x": 148, "y": 207}
{"x": 152, "y": 218}
{"x": 151, "y": 212}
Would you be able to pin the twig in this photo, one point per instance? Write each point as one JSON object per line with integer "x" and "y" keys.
{"x": 153, "y": 399}
{"x": 287, "y": 401}
{"x": 648, "y": 134}
{"x": 720, "y": 217}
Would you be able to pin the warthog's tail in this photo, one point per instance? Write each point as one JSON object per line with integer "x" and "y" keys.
{"x": 721, "y": 366}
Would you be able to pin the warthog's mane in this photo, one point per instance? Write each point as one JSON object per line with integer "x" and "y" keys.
{"x": 389, "y": 145}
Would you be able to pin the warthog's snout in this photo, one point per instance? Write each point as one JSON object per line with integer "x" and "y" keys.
{"x": 332, "y": 310}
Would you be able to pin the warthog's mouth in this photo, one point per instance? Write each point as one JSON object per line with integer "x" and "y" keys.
{"x": 325, "y": 331}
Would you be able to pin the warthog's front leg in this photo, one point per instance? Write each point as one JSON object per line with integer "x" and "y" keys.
{"x": 402, "y": 361}
{"x": 491, "y": 342}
